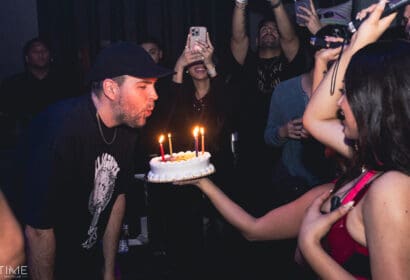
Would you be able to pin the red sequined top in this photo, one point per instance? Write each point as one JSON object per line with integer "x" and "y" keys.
{"x": 346, "y": 251}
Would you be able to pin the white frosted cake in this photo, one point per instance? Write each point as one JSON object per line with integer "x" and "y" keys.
{"x": 181, "y": 166}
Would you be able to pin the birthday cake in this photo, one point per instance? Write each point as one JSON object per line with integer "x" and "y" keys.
{"x": 180, "y": 166}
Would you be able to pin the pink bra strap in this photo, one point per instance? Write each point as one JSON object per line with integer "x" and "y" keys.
{"x": 359, "y": 186}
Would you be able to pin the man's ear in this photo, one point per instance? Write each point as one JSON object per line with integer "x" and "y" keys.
{"x": 111, "y": 89}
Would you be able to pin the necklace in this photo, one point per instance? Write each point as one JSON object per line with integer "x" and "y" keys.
{"x": 199, "y": 103}
{"x": 102, "y": 134}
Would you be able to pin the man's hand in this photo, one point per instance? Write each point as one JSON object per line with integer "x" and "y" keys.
{"x": 310, "y": 18}
{"x": 293, "y": 129}
{"x": 206, "y": 50}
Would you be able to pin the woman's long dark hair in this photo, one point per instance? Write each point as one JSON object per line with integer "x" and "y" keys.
{"x": 377, "y": 85}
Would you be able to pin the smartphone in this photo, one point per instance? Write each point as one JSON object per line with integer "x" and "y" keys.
{"x": 198, "y": 34}
{"x": 298, "y": 10}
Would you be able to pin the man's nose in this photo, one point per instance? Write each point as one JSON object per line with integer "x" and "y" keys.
{"x": 154, "y": 94}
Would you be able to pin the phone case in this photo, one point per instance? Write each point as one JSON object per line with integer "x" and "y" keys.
{"x": 198, "y": 33}
{"x": 298, "y": 4}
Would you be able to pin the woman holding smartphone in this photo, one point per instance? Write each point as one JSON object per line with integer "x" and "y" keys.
{"x": 199, "y": 98}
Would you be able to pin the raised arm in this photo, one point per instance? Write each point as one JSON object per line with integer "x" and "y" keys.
{"x": 239, "y": 39}
{"x": 207, "y": 51}
{"x": 320, "y": 117}
{"x": 382, "y": 214}
{"x": 322, "y": 59}
{"x": 288, "y": 38}
{"x": 310, "y": 18}
{"x": 279, "y": 223}
{"x": 186, "y": 58}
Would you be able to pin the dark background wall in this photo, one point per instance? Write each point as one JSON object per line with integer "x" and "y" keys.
{"x": 77, "y": 29}
{"x": 18, "y": 23}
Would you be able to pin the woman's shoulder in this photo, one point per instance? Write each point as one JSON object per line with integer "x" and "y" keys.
{"x": 390, "y": 180}
{"x": 391, "y": 188}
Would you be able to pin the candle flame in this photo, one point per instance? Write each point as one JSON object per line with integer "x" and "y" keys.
{"x": 202, "y": 131}
{"x": 196, "y": 129}
{"x": 169, "y": 135}
{"x": 161, "y": 139}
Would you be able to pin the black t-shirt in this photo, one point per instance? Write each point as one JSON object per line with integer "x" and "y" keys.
{"x": 73, "y": 178}
{"x": 260, "y": 77}
{"x": 257, "y": 79}
{"x": 24, "y": 95}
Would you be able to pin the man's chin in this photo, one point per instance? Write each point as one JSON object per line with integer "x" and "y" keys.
{"x": 272, "y": 45}
{"x": 142, "y": 122}
{"x": 137, "y": 124}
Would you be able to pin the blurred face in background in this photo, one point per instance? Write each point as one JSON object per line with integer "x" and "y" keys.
{"x": 153, "y": 50}
{"x": 406, "y": 21}
{"x": 38, "y": 56}
{"x": 268, "y": 36}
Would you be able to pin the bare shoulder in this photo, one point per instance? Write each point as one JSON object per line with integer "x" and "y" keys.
{"x": 392, "y": 190}
{"x": 391, "y": 182}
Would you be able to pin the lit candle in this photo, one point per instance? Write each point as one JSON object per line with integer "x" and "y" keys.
{"x": 161, "y": 139}
{"x": 170, "y": 144}
{"x": 196, "y": 140}
{"x": 203, "y": 139}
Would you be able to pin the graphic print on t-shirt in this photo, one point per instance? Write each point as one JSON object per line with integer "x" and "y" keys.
{"x": 106, "y": 170}
{"x": 268, "y": 75}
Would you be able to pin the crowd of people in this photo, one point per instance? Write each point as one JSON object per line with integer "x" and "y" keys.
{"x": 325, "y": 127}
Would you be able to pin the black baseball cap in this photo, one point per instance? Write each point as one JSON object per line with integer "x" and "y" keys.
{"x": 125, "y": 58}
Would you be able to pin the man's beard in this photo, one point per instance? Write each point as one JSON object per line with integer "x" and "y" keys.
{"x": 39, "y": 63}
{"x": 127, "y": 119}
{"x": 274, "y": 44}
{"x": 134, "y": 121}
